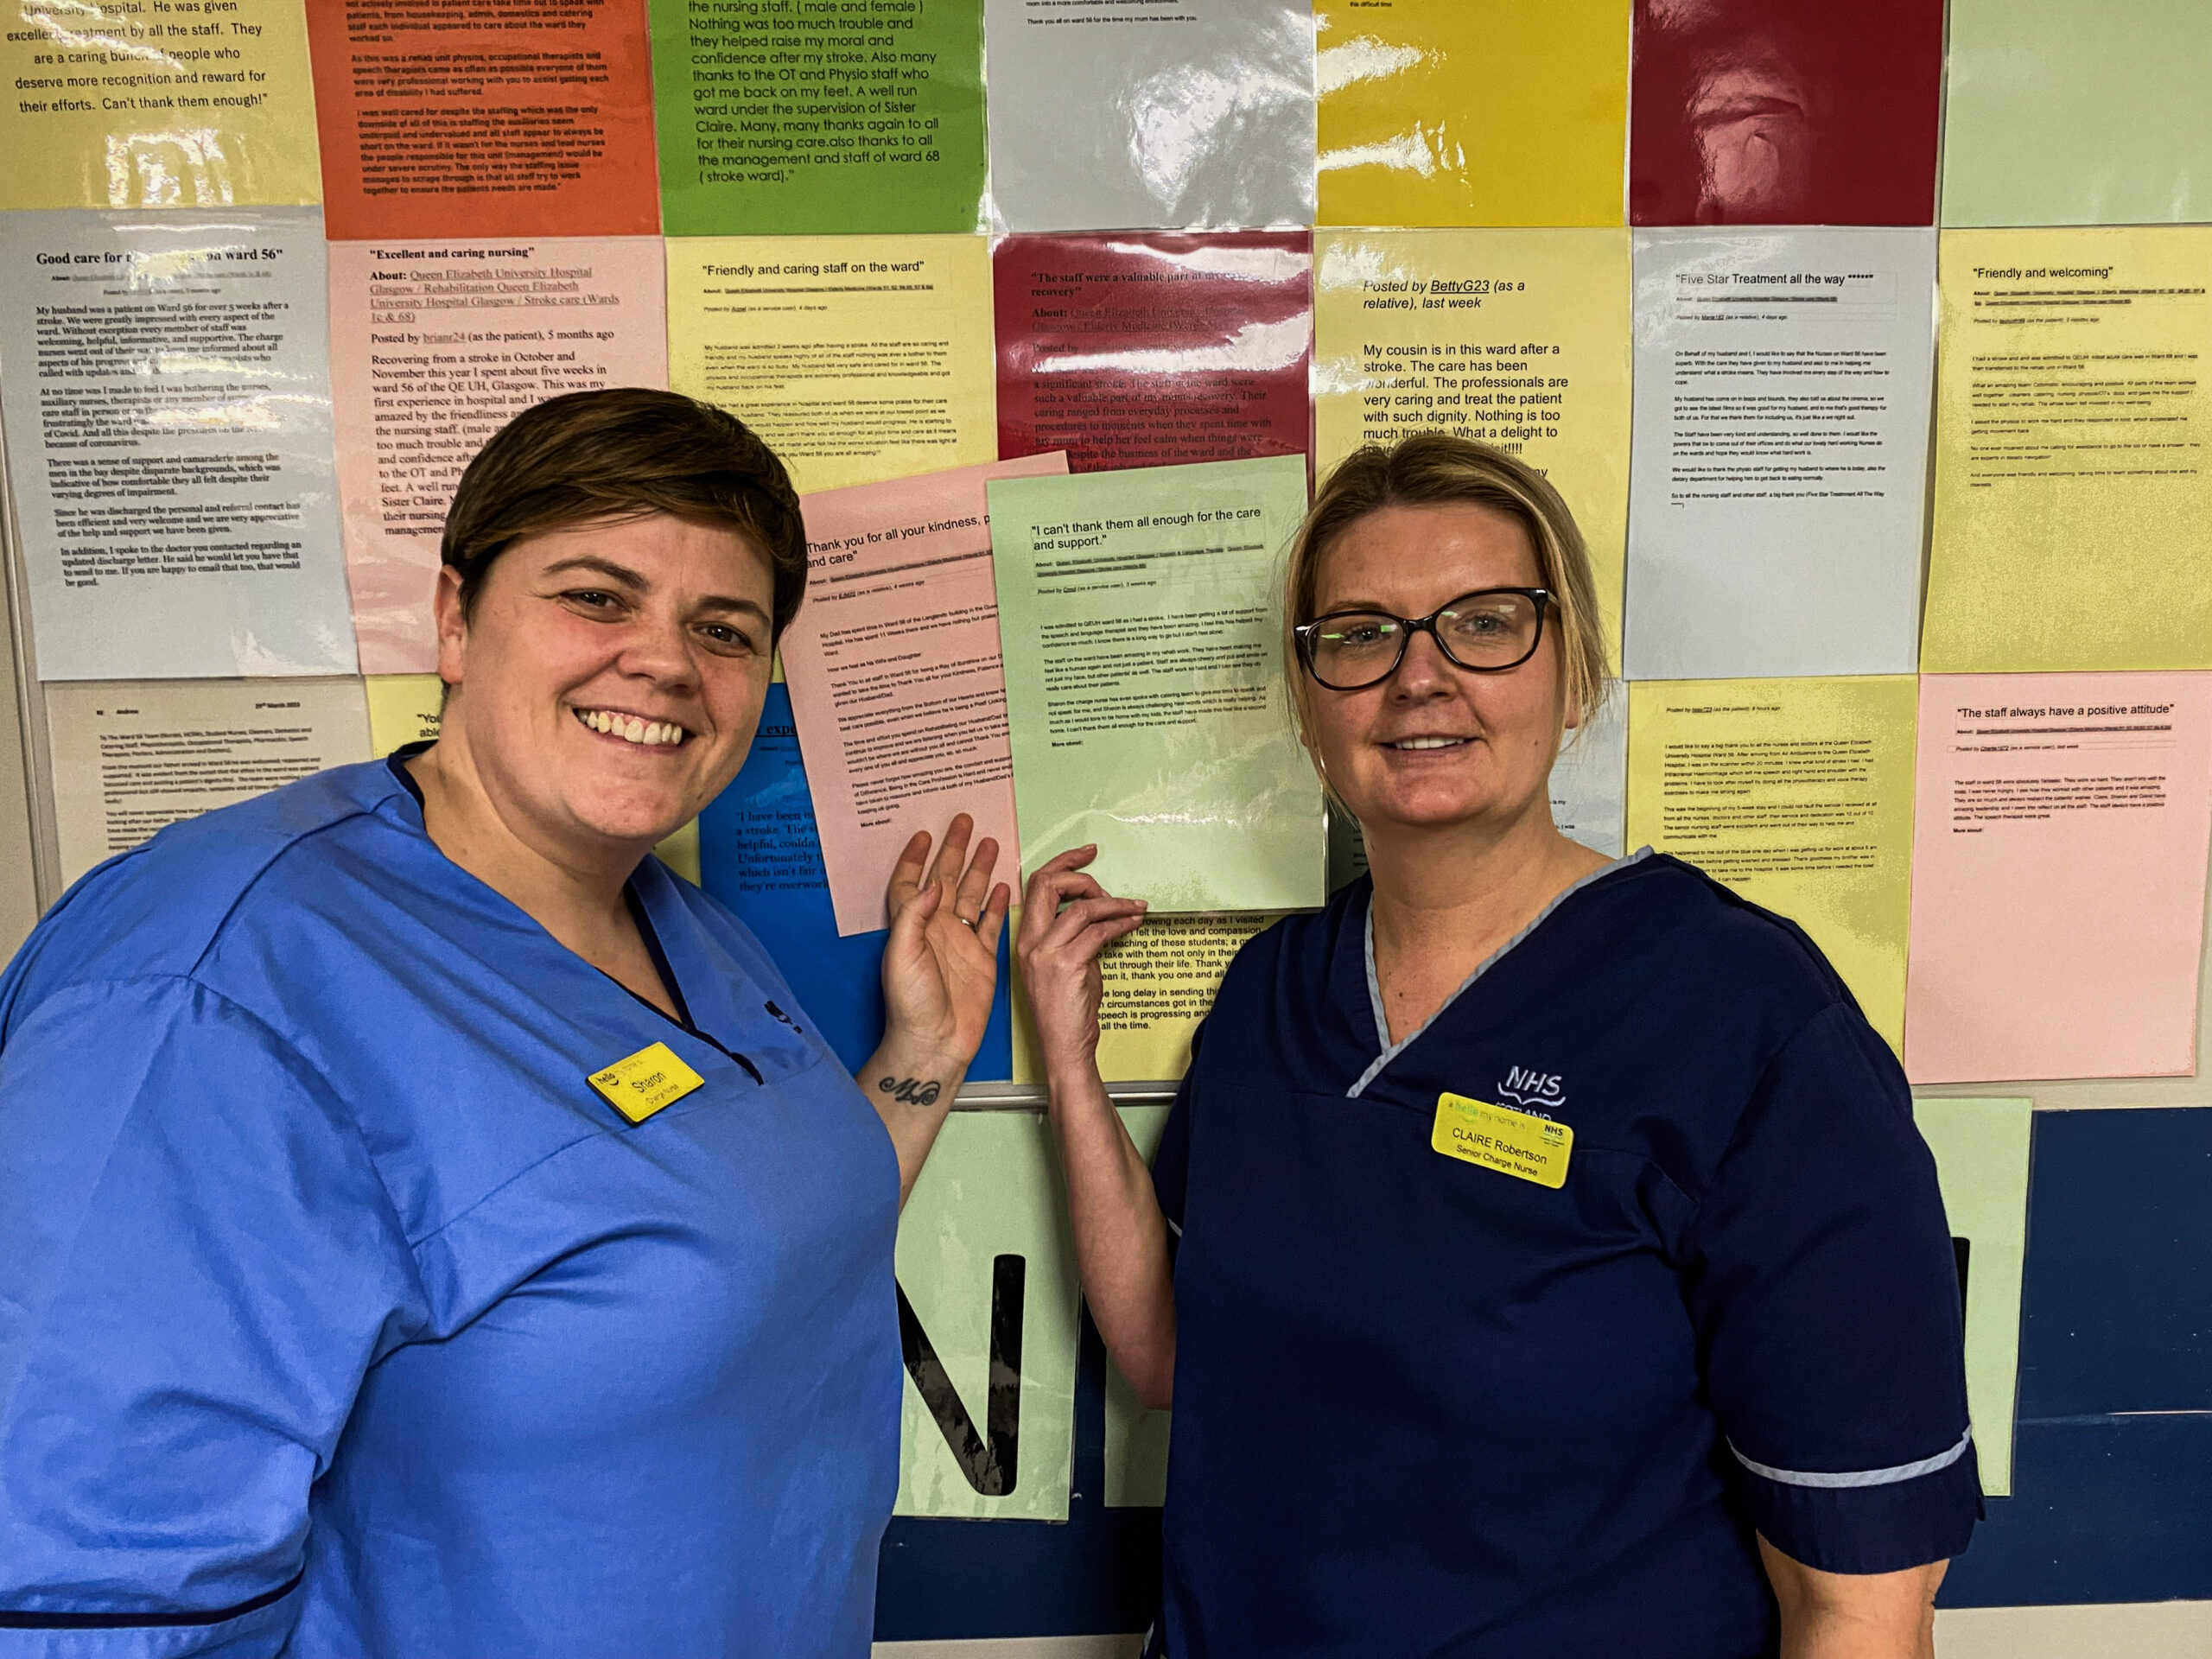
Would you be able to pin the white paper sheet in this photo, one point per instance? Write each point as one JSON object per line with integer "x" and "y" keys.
{"x": 131, "y": 758}
{"x": 1779, "y": 465}
{"x": 1133, "y": 115}
{"x": 168, "y": 404}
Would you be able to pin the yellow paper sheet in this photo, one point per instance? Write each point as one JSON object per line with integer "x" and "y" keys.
{"x": 2072, "y": 522}
{"x": 990, "y": 1190}
{"x": 404, "y": 708}
{"x": 1797, "y": 794}
{"x": 1981, "y": 1163}
{"x": 858, "y": 357}
{"x": 1136, "y": 1435}
{"x": 133, "y": 104}
{"x": 1160, "y": 981}
{"x": 1520, "y": 338}
{"x": 1472, "y": 112}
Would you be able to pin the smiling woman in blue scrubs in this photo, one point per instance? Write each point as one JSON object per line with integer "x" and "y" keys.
{"x": 429, "y": 1228}
{"x": 1539, "y": 1258}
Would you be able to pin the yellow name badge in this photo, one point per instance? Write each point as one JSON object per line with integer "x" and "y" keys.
{"x": 642, "y": 1084}
{"x": 1513, "y": 1143}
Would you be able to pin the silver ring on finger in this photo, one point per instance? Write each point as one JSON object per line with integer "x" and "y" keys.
{"x": 964, "y": 921}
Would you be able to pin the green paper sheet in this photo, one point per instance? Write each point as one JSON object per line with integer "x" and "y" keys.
{"x": 818, "y": 117}
{"x": 1981, "y": 1162}
{"x": 1136, "y": 1435}
{"x": 1138, "y": 617}
{"x": 991, "y": 1190}
{"x": 2078, "y": 112}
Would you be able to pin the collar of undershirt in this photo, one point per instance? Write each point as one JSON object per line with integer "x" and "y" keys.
{"x": 1390, "y": 1050}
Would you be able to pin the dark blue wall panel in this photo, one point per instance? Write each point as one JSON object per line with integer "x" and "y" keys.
{"x": 2117, "y": 1310}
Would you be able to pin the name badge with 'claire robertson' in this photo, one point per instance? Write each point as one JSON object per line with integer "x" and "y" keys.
{"x": 1519, "y": 1144}
{"x": 639, "y": 1084}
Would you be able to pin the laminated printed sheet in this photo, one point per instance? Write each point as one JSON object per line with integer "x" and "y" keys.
{"x": 404, "y": 708}
{"x": 1747, "y": 112}
{"x": 131, "y": 758}
{"x": 1157, "y": 984}
{"x": 1518, "y": 338}
{"x": 1144, "y": 683}
{"x": 1134, "y": 350}
{"x": 434, "y": 347}
{"x": 858, "y": 357}
{"x": 1797, "y": 794}
{"x": 2078, "y": 112}
{"x": 794, "y": 120}
{"x": 129, "y": 104}
{"x": 1131, "y": 114}
{"x": 533, "y": 117}
{"x": 1780, "y": 467}
{"x": 1438, "y": 112}
{"x": 895, "y": 679}
{"x": 759, "y": 853}
{"x": 2073, "y": 517}
{"x": 2059, "y": 869}
{"x": 168, "y": 430}
{"x": 989, "y": 1314}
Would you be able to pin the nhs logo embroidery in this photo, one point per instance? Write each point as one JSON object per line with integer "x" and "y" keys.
{"x": 1538, "y": 1092}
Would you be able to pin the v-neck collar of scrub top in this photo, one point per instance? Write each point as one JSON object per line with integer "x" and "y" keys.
{"x": 649, "y": 898}
{"x": 1390, "y": 1051}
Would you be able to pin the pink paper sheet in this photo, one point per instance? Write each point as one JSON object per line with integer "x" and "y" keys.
{"x": 2058, "y": 876}
{"x": 897, "y": 685}
{"x": 434, "y": 347}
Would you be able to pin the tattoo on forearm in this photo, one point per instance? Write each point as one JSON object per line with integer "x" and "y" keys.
{"x": 912, "y": 1091}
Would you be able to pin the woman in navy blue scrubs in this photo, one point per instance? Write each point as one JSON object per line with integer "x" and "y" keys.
{"x": 427, "y": 1227}
{"x": 1539, "y": 1258}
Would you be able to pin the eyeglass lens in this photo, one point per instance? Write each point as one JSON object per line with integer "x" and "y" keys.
{"x": 1357, "y": 648}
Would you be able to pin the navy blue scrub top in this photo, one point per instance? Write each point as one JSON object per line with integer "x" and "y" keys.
{"x": 341, "y": 1315}
{"x": 1425, "y": 1408}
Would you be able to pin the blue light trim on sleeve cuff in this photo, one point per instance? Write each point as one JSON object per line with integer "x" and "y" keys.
{"x": 1879, "y": 1528}
{"x": 1888, "y": 1476}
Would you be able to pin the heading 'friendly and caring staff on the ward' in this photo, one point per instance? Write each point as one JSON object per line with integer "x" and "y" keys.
{"x": 428, "y": 1228}
{"x": 1540, "y": 1257}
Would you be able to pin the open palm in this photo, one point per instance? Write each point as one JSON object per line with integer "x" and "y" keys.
{"x": 941, "y": 964}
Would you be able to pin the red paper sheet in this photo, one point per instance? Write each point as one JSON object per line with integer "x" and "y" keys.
{"x": 1152, "y": 350}
{"x": 1750, "y": 112}
{"x": 530, "y": 118}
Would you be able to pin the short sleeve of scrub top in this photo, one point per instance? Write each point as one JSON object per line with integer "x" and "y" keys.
{"x": 1502, "y": 1419}
{"x": 341, "y": 1314}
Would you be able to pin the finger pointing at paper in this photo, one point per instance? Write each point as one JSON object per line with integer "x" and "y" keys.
{"x": 1067, "y": 918}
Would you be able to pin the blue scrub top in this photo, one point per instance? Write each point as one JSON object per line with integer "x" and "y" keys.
{"x": 1426, "y": 1407}
{"x": 341, "y": 1315}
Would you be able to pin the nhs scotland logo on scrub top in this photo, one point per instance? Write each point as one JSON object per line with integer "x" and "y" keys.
{"x": 1541, "y": 1093}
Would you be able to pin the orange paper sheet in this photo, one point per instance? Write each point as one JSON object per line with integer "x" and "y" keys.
{"x": 534, "y": 118}
{"x": 2058, "y": 871}
{"x": 897, "y": 685}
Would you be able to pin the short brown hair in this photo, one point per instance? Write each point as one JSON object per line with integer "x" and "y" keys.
{"x": 1432, "y": 469}
{"x": 598, "y": 454}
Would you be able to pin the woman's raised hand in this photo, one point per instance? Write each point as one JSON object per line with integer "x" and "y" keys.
{"x": 1067, "y": 918}
{"x": 941, "y": 964}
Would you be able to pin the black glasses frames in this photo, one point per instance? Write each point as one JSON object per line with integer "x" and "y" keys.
{"x": 1350, "y": 651}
